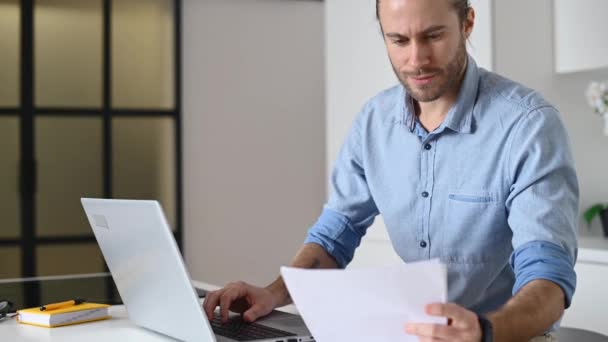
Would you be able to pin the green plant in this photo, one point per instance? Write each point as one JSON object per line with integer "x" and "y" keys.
{"x": 593, "y": 211}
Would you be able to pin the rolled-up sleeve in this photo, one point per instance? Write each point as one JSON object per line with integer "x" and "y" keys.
{"x": 544, "y": 260}
{"x": 350, "y": 209}
{"x": 543, "y": 202}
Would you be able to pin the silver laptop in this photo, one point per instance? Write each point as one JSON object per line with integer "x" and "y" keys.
{"x": 155, "y": 286}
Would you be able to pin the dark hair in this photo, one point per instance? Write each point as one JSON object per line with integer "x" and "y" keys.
{"x": 461, "y": 6}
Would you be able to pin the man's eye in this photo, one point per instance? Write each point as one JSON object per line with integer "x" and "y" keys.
{"x": 400, "y": 42}
{"x": 434, "y": 36}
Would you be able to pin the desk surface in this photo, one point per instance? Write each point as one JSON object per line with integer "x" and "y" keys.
{"x": 118, "y": 328}
{"x": 593, "y": 249}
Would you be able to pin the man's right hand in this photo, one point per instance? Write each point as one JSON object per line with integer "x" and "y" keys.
{"x": 254, "y": 302}
{"x": 250, "y": 301}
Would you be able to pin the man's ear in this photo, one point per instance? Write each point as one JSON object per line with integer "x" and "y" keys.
{"x": 469, "y": 23}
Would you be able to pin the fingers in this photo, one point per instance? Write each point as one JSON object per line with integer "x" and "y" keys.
{"x": 430, "y": 331}
{"x": 254, "y": 312}
{"x": 429, "y": 339}
{"x": 211, "y": 302}
{"x": 456, "y": 314}
{"x": 464, "y": 324}
{"x": 224, "y": 298}
{"x": 239, "y": 297}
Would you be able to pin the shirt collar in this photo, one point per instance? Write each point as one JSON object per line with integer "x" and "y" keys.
{"x": 460, "y": 116}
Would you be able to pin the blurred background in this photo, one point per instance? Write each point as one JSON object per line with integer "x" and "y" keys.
{"x": 231, "y": 113}
{"x": 87, "y": 109}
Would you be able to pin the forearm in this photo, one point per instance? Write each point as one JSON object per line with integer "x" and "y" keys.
{"x": 529, "y": 313}
{"x": 311, "y": 256}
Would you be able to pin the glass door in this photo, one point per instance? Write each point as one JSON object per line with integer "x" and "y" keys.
{"x": 89, "y": 107}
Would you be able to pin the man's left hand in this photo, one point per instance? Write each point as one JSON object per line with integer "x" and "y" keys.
{"x": 463, "y": 325}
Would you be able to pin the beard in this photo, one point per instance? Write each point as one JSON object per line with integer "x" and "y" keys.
{"x": 444, "y": 78}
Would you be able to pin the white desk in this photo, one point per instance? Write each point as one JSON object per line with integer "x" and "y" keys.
{"x": 588, "y": 310}
{"x": 590, "y": 302}
{"x": 116, "y": 329}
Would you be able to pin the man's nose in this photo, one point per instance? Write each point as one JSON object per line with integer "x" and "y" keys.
{"x": 420, "y": 56}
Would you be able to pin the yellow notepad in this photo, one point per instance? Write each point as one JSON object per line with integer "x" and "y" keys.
{"x": 81, "y": 313}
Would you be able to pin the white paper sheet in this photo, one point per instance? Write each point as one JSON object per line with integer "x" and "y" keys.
{"x": 363, "y": 305}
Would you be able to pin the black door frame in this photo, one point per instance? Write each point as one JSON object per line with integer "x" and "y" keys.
{"x": 27, "y": 112}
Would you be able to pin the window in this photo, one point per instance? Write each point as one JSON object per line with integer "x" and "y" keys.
{"x": 91, "y": 109}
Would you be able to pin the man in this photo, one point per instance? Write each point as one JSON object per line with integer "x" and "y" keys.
{"x": 463, "y": 165}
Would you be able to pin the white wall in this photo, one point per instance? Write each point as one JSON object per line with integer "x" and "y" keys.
{"x": 524, "y": 52}
{"x": 576, "y": 19}
{"x": 356, "y": 70}
{"x": 254, "y": 139}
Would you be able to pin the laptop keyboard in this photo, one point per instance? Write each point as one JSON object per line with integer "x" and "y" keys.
{"x": 237, "y": 329}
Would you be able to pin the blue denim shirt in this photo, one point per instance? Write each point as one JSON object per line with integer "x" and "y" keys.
{"x": 492, "y": 192}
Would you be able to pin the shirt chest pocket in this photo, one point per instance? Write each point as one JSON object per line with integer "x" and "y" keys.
{"x": 475, "y": 228}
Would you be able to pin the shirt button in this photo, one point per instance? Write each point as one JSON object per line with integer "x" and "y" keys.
{"x": 425, "y": 194}
{"x": 423, "y": 244}
{"x": 427, "y": 147}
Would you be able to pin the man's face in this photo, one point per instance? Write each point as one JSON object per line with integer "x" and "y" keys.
{"x": 426, "y": 45}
